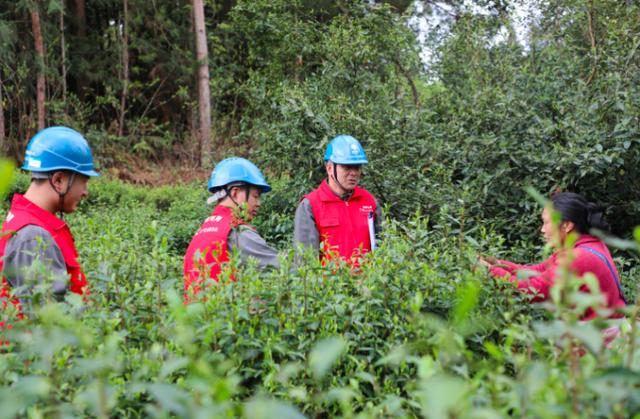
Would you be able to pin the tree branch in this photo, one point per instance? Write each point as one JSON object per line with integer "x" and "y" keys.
{"x": 406, "y": 75}
{"x": 594, "y": 46}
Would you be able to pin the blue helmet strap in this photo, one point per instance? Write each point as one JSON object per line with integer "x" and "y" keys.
{"x": 72, "y": 178}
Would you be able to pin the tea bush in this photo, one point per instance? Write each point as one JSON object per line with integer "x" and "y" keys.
{"x": 418, "y": 332}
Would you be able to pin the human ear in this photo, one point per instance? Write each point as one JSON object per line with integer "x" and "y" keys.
{"x": 58, "y": 180}
{"x": 568, "y": 226}
{"x": 233, "y": 193}
{"x": 329, "y": 168}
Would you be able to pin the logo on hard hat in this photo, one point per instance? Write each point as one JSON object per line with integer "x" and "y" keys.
{"x": 31, "y": 162}
{"x": 354, "y": 149}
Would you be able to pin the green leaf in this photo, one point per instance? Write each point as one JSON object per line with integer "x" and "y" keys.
{"x": 170, "y": 397}
{"x": 442, "y": 396}
{"x": 172, "y": 366}
{"x": 98, "y": 396}
{"x": 324, "y": 354}
{"x": 264, "y": 408}
{"x": 540, "y": 199}
{"x": 55, "y": 6}
{"x": 467, "y": 299}
{"x": 397, "y": 355}
{"x": 588, "y": 335}
{"x": 619, "y": 243}
{"x": 6, "y": 176}
{"x": 24, "y": 393}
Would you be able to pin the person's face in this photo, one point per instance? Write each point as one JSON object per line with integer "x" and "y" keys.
{"x": 75, "y": 193}
{"x": 547, "y": 226}
{"x": 549, "y": 230}
{"x": 250, "y": 201}
{"x": 348, "y": 175}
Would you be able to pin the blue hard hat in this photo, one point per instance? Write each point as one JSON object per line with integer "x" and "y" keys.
{"x": 344, "y": 149}
{"x": 59, "y": 148}
{"x": 237, "y": 169}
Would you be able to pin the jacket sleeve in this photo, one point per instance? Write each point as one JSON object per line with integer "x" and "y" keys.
{"x": 28, "y": 245}
{"x": 535, "y": 284}
{"x": 511, "y": 266}
{"x": 305, "y": 232}
{"x": 251, "y": 245}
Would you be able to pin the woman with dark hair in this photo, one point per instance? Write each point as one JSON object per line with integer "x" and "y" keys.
{"x": 590, "y": 254}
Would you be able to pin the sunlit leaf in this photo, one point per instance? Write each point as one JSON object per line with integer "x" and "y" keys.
{"x": 324, "y": 354}
{"x": 6, "y": 176}
{"x": 263, "y": 408}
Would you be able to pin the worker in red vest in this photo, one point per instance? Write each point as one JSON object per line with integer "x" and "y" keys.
{"x": 237, "y": 185}
{"x": 342, "y": 216}
{"x": 61, "y": 164}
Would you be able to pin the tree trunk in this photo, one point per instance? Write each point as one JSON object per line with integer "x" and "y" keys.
{"x": 204, "y": 97}
{"x": 81, "y": 16}
{"x": 3, "y": 145}
{"x": 40, "y": 80}
{"x": 79, "y": 80}
{"x": 63, "y": 61}
{"x": 594, "y": 45}
{"x": 125, "y": 69}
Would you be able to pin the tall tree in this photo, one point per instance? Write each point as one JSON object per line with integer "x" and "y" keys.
{"x": 3, "y": 147}
{"x": 79, "y": 79}
{"x": 81, "y": 16}
{"x": 125, "y": 68}
{"x": 204, "y": 96}
{"x": 40, "y": 80}
{"x": 63, "y": 58}
{"x": 8, "y": 39}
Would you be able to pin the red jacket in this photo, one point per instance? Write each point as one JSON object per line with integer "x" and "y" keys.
{"x": 343, "y": 225}
{"x": 208, "y": 250}
{"x": 23, "y": 213}
{"x": 587, "y": 251}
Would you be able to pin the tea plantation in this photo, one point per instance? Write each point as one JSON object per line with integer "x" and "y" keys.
{"x": 419, "y": 332}
{"x": 462, "y": 107}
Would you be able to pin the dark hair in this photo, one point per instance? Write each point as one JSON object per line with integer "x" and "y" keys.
{"x": 584, "y": 214}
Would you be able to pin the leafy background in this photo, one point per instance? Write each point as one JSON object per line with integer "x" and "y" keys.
{"x": 420, "y": 332}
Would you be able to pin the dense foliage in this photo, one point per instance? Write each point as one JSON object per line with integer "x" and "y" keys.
{"x": 488, "y": 116}
{"x": 452, "y": 147}
{"x": 417, "y": 332}
{"x": 496, "y": 118}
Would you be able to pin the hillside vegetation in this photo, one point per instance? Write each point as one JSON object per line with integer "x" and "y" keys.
{"x": 453, "y": 148}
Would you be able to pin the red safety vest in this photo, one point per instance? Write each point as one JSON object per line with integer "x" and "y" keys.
{"x": 23, "y": 213}
{"x": 208, "y": 250}
{"x": 343, "y": 225}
